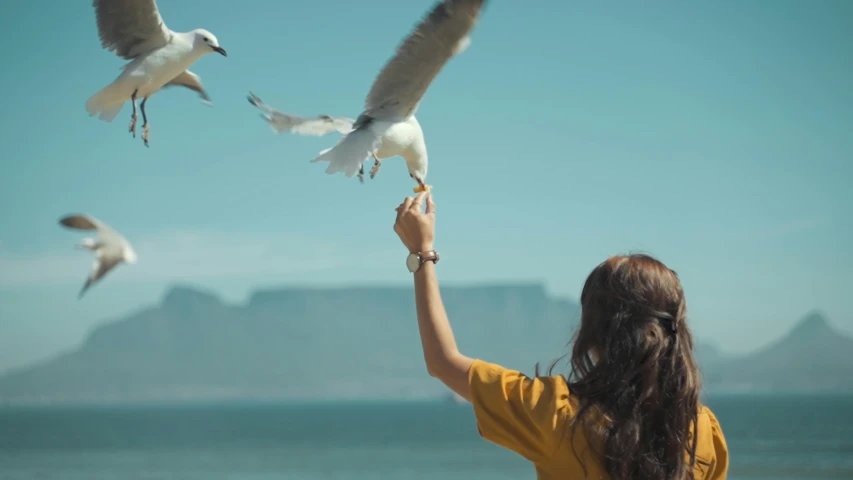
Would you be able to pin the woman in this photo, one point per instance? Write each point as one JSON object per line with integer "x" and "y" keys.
{"x": 630, "y": 407}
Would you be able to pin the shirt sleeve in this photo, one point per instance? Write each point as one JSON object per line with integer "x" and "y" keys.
{"x": 517, "y": 412}
{"x": 721, "y": 450}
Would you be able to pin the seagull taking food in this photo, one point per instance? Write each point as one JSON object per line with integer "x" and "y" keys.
{"x": 134, "y": 30}
{"x": 110, "y": 247}
{"x": 387, "y": 126}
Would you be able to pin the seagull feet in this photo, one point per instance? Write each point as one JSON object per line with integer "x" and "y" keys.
{"x": 132, "y": 128}
{"x": 145, "y": 134}
{"x": 375, "y": 169}
{"x": 361, "y": 174}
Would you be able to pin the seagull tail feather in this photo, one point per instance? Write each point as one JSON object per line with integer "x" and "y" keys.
{"x": 106, "y": 102}
{"x": 350, "y": 152}
{"x": 109, "y": 114}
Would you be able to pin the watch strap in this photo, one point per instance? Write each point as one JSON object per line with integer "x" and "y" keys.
{"x": 428, "y": 256}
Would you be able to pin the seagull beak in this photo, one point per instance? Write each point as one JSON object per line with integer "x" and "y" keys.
{"x": 220, "y": 51}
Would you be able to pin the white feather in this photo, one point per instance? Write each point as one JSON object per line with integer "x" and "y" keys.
{"x": 350, "y": 152}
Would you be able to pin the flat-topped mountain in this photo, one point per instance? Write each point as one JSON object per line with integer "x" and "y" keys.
{"x": 363, "y": 343}
{"x": 295, "y": 342}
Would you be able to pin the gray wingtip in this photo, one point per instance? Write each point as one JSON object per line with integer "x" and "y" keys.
{"x": 254, "y": 99}
{"x": 80, "y": 221}
{"x": 70, "y": 220}
{"x": 84, "y": 289}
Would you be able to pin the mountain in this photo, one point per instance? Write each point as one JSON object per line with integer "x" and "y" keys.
{"x": 363, "y": 343}
{"x": 707, "y": 354}
{"x": 292, "y": 343}
{"x": 812, "y": 356}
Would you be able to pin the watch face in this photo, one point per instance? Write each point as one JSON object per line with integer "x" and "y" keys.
{"x": 413, "y": 262}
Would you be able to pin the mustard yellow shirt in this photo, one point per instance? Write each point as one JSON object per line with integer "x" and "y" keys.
{"x": 531, "y": 417}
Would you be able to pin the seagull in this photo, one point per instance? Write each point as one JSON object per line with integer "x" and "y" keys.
{"x": 387, "y": 126}
{"x": 319, "y": 126}
{"x": 110, "y": 247}
{"x": 134, "y": 30}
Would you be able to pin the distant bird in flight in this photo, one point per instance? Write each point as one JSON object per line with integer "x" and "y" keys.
{"x": 110, "y": 247}
{"x": 134, "y": 30}
{"x": 387, "y": 126}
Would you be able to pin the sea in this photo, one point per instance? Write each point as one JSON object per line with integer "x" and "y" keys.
{"x": 769, "y": 437}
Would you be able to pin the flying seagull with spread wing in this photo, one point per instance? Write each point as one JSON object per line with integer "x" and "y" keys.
{"x": 316, "y": 126}
{"x": 109, "y": 247}
{"x": 134, "y": 30}
{"x": 387, "y": 126}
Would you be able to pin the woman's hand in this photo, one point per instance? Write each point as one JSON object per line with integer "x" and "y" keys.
{"x": 415, "y": 229}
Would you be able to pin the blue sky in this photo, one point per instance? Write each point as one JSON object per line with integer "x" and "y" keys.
{"x": 715, "y": 136}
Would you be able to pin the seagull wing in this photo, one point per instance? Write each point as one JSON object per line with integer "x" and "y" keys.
{"x": 317, "y": 126}
{"x": 192, "y": 81}
{"x": 401, "y": 84}
{"x": 130, "y": 28}
{"x": 80, "y": 222}
{"x": 107, "y": 235}
{"x": 102, "y": 265}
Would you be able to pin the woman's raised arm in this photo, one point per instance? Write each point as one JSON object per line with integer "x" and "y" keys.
{"x": 416, "y": 230}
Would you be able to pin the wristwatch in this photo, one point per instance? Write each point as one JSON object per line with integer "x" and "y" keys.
{"x": 415, "y": 260}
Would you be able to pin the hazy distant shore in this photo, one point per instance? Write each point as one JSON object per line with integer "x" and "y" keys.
{"x": 298, "y": 345}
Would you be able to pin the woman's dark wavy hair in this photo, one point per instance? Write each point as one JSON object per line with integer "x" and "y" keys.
{"x": 643, "y": 380}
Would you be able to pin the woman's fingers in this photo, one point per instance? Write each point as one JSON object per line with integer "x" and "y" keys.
{"x": 417, "y": 202}
{"x": 403, "y": 207}
{"x": 415, "y": 229}
{"x": 430, "y": 208}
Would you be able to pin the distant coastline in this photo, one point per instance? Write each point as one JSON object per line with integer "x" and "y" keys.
{"x": 296, "y": 345}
